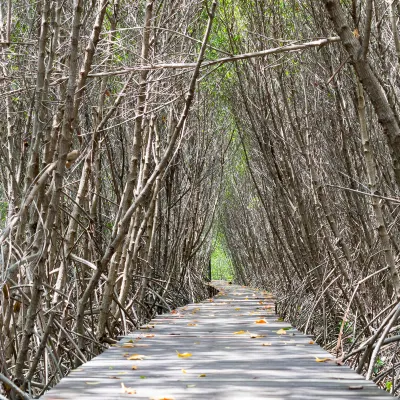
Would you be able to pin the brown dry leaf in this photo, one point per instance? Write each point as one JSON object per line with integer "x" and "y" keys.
{"x": 239, "y": 332}
{"x": 149, "y": 336}
{"x": 281, "y": 332}
{"x": 322, "y": 359}
{"x": 260, "y": 302}
{"x": 127, "y": 389}
{"x": 261, "y": 321}
{"x": 311, "y": 342}
{"x": 192, "y": 324}
{"x": 356, "y": 33}
{"x": 255, "y": 336}
{"x": 137, "y": 357}
{"x": 183, "y": 355}
{"x": 266, "y": 344}
{"x": 202, "y": 375}
{"x": 134, "y": 367}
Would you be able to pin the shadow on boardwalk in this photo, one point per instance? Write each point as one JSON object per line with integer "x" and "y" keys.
{"x": 233, "y": 355}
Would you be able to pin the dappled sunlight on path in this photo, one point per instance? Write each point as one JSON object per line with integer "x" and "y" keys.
{"x": 230, "y": 347}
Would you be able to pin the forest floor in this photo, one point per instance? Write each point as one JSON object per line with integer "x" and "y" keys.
{"x": 232, "y": 346}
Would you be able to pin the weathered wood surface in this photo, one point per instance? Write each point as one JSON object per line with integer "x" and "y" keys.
{"x": 223, "y": 365}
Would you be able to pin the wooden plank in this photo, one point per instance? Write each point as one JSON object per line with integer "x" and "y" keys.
{"x": 223, "y": 364}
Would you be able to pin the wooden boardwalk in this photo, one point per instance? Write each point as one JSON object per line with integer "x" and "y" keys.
{"x": 226, "y": 352}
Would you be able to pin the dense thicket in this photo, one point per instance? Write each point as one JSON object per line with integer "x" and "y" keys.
{"x": 137, "y": 135}
{"x": 314, "y": 216}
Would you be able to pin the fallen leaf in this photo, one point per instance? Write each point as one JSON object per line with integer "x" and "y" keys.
{"x": 134, "y": 367}
{"x": 184, "y": 371}
{"x": 281, "y": 332}
{"x": 255, "y": 336}
{"x": 190, "y": 386}
{"x": 137, "y": 357}
{"x": 161, "y": 398}
{"x": 184, "y": 355}
{"x": 311, "y": 342}
{"x": 239, "y": 332}
{"x": 142, "y": 377}
{"x": 237, "y": 308}
{"x": 92, "y": 383}
{"x": 192, "y": 324}
{"x": 322, "y": 359}
{"x": 266, "y": 344}
{"x": 202, "y": 375}
{"x": 128, "y": 345}
{"x": 261, "y": 321}
{"x": 359, "y": 387}
{"x": 127, "y": 389}
{"x": 149, "y": 336}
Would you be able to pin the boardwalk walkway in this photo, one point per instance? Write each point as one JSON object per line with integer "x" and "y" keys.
{"x": 227, "y": 352}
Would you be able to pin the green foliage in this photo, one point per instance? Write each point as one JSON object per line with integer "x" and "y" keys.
{"x": 378, "y": 365}
{"x": 3, "y": 213}
{"x": 221, "y": 264}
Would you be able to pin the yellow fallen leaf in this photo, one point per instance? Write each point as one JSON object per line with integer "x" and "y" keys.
{"x": 281, "y": 332}
{"x": 149, "y": 336}
{"x": 137, "y": 357}
{"x": 134, "y": 367}
{"x": 237, "y": 308}
{"x": 161, "y": 398}
{"x": 322, "y": 359}
{"x": 184, "y": 371}
{"x": 127, "y": 389}
{"x": 266, "y": 344}
{"x": 239, "y": 332}
{"x": 128, "y": 345}
{"x": 311, "y": 342}
{"x": 184, "y": 355}
{"x": 192, "y": 324}
{"x": 261, "y": 321}
{"x": 92, "y": 383}
{"x": 202, "y": 375}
